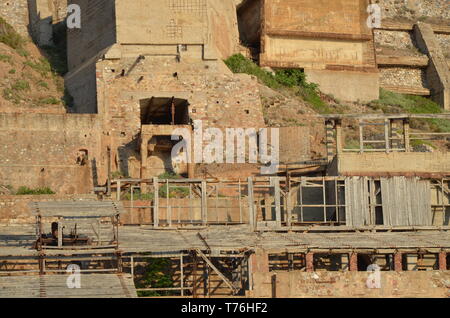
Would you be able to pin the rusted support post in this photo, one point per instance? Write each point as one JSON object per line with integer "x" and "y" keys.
{"x": 353, "y": 262}
{"x": 398, "y": 262}
{"x": 443, "y": 261}
{"x": 309, "y": 258}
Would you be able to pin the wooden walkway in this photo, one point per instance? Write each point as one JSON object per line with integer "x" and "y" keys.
{"x": 55, "y": 286}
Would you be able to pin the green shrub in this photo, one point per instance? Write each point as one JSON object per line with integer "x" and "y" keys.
{"x": 157, "y": 275}
{"x": 284, "y": 78}
{"x": 38, "y": 191}
{"x": 12, "y": 71}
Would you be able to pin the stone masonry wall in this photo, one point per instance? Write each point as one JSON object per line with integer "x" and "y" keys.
{"x": 41, "y": 150}
{"x": 414, "y": 9}
{"x": 352, "y": 284}
{"x": 15, "y": 12}
{"x": 216, "y": 96}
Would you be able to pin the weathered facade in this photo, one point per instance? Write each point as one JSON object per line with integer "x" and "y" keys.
{"x": 312, "y": 35}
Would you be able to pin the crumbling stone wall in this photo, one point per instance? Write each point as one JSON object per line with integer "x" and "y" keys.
{"x": 298, "y": 284}
{"x": 216, "y": 96}
{"x": 41, "y": 150}
{"x": 415, "y": 9}
{"x": 15, "y": 12}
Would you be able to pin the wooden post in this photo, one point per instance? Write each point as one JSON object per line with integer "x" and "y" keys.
{"x": 108, "y": 186}
{"x": 118, "y": 191}
{"x": 132, "y": 268}
{"x": 309, "y": 259}
{"x": 398, "y": 262}
{"x": 361, "y": 137}
{"x": 386, "y": 135}
{"x": 274, "y": 285}
{"x": 156, "y": 202}
{"x": 353, "y": 262}
{"x": 443, "y": 261}
{"x": 251, "y": 205}
{"x": 60, "y": 234}
{"x": 144, "y": 156}
{"x": 194, "y": 287}
{"x": 406, "y": 135}
{"x": 181, "y": 275}
{"x": 275, "y": 181}
{"x": 289, "y": 208}
{"x": 338, "y": 127}
{"x": 204, "y": 206}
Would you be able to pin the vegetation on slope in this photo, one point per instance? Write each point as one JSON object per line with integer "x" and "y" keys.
{"x": 293, "y": 80}
{"x": 390, "y": 102}
{"x": 29, "y": 77}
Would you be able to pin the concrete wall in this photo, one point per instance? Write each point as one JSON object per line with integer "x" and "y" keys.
{"x": 351, "y": 284}
{"x": 306, "y": 33}
{"x": 309, "y": 34}
{"x": 40, "y": 150}
{"x": 98, "y": 31}
{"x": 81, "y": 84}
{"x": 395, "y": 162}
{"x": 346, "y": 85}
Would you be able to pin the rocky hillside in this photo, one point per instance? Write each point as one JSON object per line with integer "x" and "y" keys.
{"x": 28, "y": 82}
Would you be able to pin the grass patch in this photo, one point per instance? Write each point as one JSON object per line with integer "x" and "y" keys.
{"x": 13, "y": 93}
{"x": 49, "y": 101}
{"x": 10, "y": 37}
{"x": 5, "y": 58}
{"x": 42, "y": 66}
{"x": 38, "y": 191}
{"x": 390, "y": 102}
{"x": 43, "y": 84}
{"x": 21, "y": 85}
{"x": 294, "y": 79}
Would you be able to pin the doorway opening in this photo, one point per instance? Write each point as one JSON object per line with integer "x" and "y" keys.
{"x": 164, "y": 111}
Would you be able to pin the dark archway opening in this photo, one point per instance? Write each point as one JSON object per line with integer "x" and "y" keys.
{"x": 164, "y": 111}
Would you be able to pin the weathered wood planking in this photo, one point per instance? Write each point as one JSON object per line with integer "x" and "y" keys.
{"x": 55, "y": 286}
{"x": 77, "y": 208}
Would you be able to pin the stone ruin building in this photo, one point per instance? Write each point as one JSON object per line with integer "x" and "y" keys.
{"x": 310, "y": 229}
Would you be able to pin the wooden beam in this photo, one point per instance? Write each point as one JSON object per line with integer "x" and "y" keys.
{"x": 226, "y": 281}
